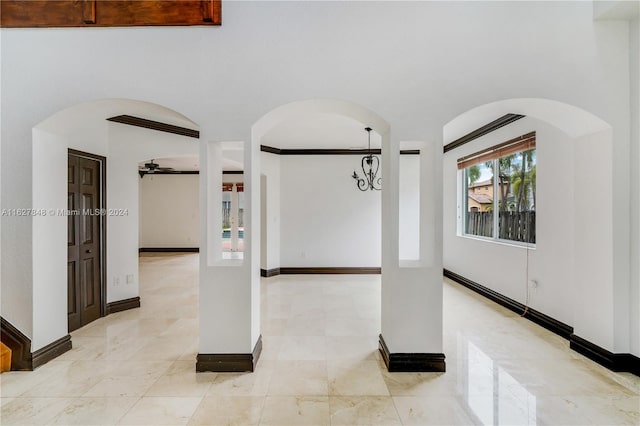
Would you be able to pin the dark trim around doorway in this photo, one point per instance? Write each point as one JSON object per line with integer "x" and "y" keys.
{"x": 103, "y": 224}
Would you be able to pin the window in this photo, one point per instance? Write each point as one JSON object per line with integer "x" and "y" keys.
{"x": 506, "y": 210}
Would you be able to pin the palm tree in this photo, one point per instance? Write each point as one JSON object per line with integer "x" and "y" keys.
{"x": 473, "y": 174}
{"x": 504, "y": 178}
{"x": 523, "y": 180}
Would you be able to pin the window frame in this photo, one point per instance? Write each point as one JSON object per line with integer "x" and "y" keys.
{"x": 520, "y": 144}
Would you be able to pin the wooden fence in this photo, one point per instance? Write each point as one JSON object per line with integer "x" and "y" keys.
{"x": 513, "y": 226}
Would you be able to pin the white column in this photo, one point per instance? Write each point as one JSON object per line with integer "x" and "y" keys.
{"x": 234, "y": 219}
{"x": 411, "y": 337}
{"x": 229, "y": 288}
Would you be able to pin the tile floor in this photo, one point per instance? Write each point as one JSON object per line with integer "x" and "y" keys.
{"x": 319, "y": 366}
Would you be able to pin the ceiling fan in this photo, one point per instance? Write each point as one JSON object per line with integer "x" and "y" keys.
{"x": 153, "y": 167}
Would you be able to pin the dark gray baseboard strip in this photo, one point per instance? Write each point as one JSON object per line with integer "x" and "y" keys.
{"x": 613, "y": 361}
{"x": 269, "y": 272}
{"x": 123, "y": 305}
{"x": 230, "y": 363}
{"x": 411, "y": 362}
{"x": 19, "y": 344}
{"x": 330, "y": 270}
{"x": 539, "y": 318}
{"x": 51, "y": 351}
{"x": 169, "y": 250}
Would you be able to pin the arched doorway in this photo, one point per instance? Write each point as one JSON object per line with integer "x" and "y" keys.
{"x": 575, "y": 271}
{"x": 86, "y": 129}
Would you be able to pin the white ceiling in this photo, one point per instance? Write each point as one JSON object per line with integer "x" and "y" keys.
{"x": 320, "y": 131}
{"x": 178, "y": 163}
{"x": 316, "y": 131}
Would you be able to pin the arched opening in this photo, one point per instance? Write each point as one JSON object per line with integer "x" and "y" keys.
{"x": 315, "y": 216}
{"x": 84, "y": 129}
{"x": 568, "y": 273}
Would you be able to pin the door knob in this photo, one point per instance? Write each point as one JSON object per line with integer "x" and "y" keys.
{"x": 88, "y": 251}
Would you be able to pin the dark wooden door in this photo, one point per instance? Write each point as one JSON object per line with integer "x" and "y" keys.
{"x": 84, "y": 265}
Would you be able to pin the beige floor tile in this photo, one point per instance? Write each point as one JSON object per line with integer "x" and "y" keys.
{"x": 243, "y": 384}
{"x": 161, "y": 411}
{"x": 356, "y": 377}
{"x": 301, "y": 410}
{"x": 352, "y": 347}
{"x": 94, "y": 411}
{"x": 32, "y": 411}
{"x": 306, "y": 348}
{"x": 6, "y": 400}
{"x": 16, "y": 383}
{"x": 230, "y": 410}
{"x": 182, "y": 380}
{"x": 421, "y": 384}
{"x": 120, "y": 386}
{"x": 431, "y": 411}
{"x": 363, "y": 410}
{"x": 302, "y": 378}
{"x": 319, "y": 363}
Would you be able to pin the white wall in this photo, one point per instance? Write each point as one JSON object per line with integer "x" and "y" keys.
{"x": 634, "y": 77}
{"x": 271, "y": 223}
{"x": 409, "y": 227}
{"x": 129, "y": 145}
{"x": 169, "y": 211}
{"x": 594, "y": 283}
{"x": 124, "y": 147}
{"x": 407, "y": 61}
{"x": 326, "y": 220}
{"x": 50, "y": 238}
{"x": 503, "y": 267}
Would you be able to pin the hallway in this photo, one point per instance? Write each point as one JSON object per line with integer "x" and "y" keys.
{"x": 319, "y": 365}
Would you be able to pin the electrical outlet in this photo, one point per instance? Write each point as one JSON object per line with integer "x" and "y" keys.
{"x": 116, "y": 280}
{"x": 130, "y": 279}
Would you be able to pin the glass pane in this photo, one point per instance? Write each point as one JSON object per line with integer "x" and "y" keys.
{"x": 226, "y": 221}
{"x": 479, "y": 203}
{"x": 517, "y": 197}
{"x": 241, "y": 221}
{"x": 232, "y": 220}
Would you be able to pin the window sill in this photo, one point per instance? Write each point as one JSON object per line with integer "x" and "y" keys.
{"x": 516, "y": 244}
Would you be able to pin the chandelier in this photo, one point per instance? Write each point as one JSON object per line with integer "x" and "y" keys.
{"x": 370, "y": 166}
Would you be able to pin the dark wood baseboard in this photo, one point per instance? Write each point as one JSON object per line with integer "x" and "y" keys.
{"x": 539, "y": 318}
{"x": 269, "y": 272}
{"x": 330, "y": 270}
{"x": 169, "y": 250}
{"x": 123, "y": 305}
{"x": 19, "y": 344}
{"x": 411, "y": 362}
{"x": 51, "y": 351}
{"x": 613, "y": 361}
{"x": 230, "y": 363}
